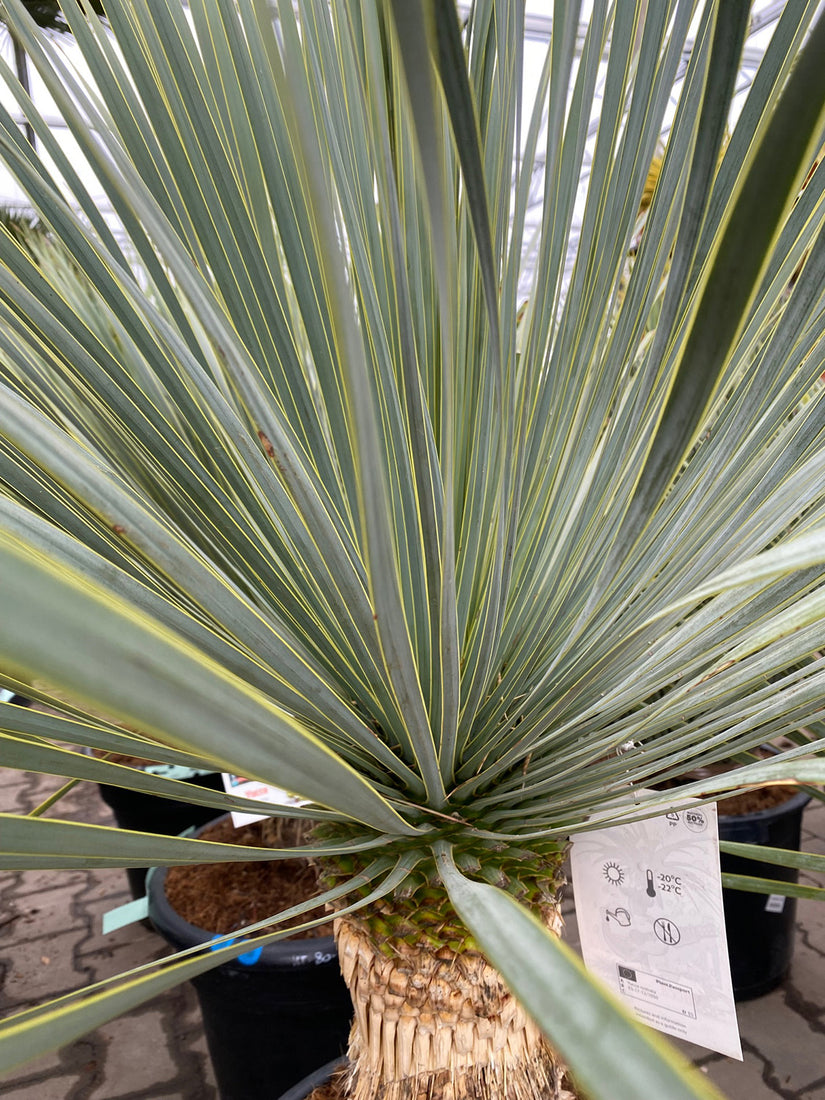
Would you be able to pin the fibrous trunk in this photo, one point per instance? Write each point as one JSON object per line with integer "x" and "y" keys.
{"x": 433, "y": 1023}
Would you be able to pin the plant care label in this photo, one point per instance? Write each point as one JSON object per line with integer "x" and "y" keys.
{"x": 260, "y": 792}
{"x": 648, "y": 900}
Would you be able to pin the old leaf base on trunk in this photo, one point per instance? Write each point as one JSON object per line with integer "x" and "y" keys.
{"x": 439, "y": 1024}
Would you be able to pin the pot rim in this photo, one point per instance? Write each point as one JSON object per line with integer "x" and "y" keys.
{"x": 796, "y": 802}
{"x": 282, "y": 955}
{"x": 318, "y": 1077}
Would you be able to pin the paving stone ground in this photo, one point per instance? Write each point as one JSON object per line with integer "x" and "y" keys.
{"x": 51, "y": 943}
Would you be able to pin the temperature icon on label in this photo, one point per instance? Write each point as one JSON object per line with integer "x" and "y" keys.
{"x": 613, "y": 873}
{"x": 651, "y": 888}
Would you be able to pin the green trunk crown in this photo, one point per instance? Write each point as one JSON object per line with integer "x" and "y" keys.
{"x": 419, "y": 911}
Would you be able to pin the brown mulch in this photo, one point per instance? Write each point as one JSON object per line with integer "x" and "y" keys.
{"x": 737, "y": 805}
{"x": 223, "y": 897}
{"x": 334, "y": 1089}
{"x": 750, "y": 802}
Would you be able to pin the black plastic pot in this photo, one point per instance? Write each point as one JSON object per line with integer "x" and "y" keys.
{"x": 760, "y": 929}
{"x": 268, "y": 1020}
{"x": 305, "y": 1087}
{"x": 149, "y": 814}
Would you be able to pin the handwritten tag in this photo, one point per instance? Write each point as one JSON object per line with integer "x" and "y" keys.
{"x": 261, "y": 792}
{"x": 649, "y": 907}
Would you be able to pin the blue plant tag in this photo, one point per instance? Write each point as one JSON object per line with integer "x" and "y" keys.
{"x": 249, "y": 958}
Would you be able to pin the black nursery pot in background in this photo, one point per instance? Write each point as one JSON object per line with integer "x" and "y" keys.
{"x": 760, "y": 929}
{"x": 270, "y": 1017}
{"x": 147, "y": 813}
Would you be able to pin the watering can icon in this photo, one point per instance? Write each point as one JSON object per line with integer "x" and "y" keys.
{"x": 620, "y": 916}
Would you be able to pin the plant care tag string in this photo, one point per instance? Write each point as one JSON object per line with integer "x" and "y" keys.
{"x": 261, "y": 792}
{"x": 648, "y": 898}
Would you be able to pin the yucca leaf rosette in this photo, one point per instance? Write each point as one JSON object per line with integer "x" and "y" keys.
{"x": 396, "y": 437}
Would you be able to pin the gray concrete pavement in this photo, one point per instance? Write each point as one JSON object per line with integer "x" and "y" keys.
{"x": 51, "y": 943}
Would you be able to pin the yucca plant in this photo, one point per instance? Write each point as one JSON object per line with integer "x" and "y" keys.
{"x": 45, "y": 13}
{"x": 329, "y": 464}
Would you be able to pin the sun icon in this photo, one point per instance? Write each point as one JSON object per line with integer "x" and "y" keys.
{"x": 613, "y": 873}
